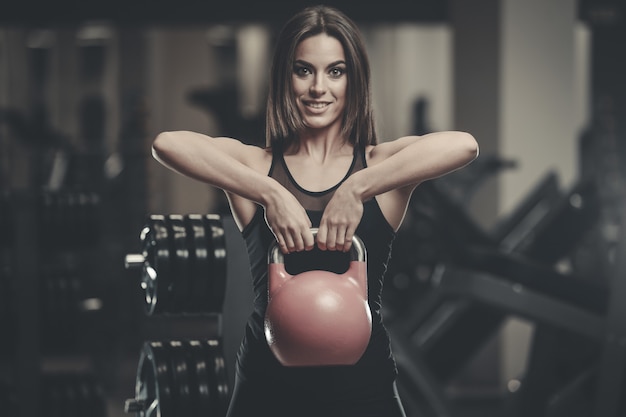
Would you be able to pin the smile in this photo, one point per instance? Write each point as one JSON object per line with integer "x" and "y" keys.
{"x": 316, "y": 105}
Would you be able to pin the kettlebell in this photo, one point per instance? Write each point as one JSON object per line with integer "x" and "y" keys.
{"x": 317, "y": 317}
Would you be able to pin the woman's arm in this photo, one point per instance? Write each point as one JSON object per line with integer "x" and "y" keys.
{"x": 221, "y": 162}
{"x": 241, "y": 171}
{"x": 410, "y": 160}
{"x": 394, "y": 170}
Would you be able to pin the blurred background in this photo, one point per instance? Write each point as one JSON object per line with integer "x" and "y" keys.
{"x": 503, "y": 292}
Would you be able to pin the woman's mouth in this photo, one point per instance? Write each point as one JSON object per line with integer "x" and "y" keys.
{"x": 316, "y": 105}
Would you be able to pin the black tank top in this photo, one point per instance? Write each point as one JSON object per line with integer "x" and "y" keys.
{"x": 377, "y": 365}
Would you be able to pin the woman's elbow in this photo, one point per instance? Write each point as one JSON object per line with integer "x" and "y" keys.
{"x": 469, "y": 145}
{"x": 161, "y": 144}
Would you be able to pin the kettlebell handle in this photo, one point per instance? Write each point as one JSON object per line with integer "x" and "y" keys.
{"x": 357, "y": 250}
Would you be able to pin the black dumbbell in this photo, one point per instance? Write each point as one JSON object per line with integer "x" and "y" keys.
{"x": 64, "y": 219}
{"x": 183, "y": 264}
{"x": 180, "y": 378}
{"x": 73, "y": 394}
{"x": 217, "y": 238}
{"x": 155, "y": 262}
{"x": 68, "y": 219}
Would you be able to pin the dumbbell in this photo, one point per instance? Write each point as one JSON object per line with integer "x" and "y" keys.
{"x": 65, "y": 308}
{"x": 66, "y": 219}
{"x": 180, "y": 378}
{"x": 183, "y": 263}
{"x": 8, "y": 317}
{"x": 7, "y": 223}
{"x": 73, "y": 394}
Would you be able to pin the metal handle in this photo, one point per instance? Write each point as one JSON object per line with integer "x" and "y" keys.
{"x": 134, "y": 260}
{"x": 357, "y": 250}
{"x": 134, "y": 406}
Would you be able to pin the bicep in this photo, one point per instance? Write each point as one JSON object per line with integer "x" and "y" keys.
{"x": 194, "y": 144}
{"x": 438, "y": 152}
{"x": 384, "y": 150}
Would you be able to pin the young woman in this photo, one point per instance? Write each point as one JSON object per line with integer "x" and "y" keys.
{"x": 322, "y": 167}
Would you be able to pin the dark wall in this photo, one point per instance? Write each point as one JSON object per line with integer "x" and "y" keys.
{"x": 203, "y": 11}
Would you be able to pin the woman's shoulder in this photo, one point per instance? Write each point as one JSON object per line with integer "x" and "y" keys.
{"x": 256, "y": 157}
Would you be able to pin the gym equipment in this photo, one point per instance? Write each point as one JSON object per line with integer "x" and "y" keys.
{"x": 73, "y": 394}
{"x": 460, "y": 298}
{"x": 7, "y": 227}
{"x": 523, "y": 258}
{"x": 317, "y": 317}
{"x": 180, "y": 378}
{"x": 67, "y": 307}
{"x": 60, "y": 311}
{"x": 69, "y": 219}
{"x": 183, "y": 264}
{"x": 66, "y": 219}
{"x": 611, "y": 382}
{"x": 8, "y": 317}
{"x": 438, "y": 229}
{"x": 481, "y": 279}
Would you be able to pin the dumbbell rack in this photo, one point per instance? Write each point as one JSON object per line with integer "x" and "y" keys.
{"x": 183, "y": 279}
{"x": 26, "y": 372}
{"x": 31, "y": 367}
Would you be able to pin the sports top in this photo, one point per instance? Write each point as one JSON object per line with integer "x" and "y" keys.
{"x": 255, "y": 361}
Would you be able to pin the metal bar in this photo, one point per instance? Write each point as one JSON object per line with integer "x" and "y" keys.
{"x": 611, "y": 379}
{"x": 517, "y": 299}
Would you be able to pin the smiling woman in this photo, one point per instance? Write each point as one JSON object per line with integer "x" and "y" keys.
{"x": 323, "y": 169}
{"x": 319, "y": 81}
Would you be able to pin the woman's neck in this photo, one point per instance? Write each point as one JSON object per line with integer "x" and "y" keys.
{"x": 320, "y": 145}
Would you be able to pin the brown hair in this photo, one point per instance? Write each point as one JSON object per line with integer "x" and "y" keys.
{"x": 283, "y": 121}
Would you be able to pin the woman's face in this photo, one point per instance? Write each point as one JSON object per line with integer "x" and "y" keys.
{"x": 319, "y": 81}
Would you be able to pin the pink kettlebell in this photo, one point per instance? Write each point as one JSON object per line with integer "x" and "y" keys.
{"x": 318, "y": 318}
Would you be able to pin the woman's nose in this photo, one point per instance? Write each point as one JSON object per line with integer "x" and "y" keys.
{"x": 318, "y": 86}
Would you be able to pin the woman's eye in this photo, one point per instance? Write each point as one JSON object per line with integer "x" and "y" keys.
{"x": 337, "y": 72}
{"x": 302, "y": 71}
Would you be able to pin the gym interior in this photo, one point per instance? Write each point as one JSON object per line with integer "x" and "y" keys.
{"x": 124, "y": 288}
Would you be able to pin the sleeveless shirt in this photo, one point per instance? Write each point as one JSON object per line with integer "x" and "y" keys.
{"x": 255, "y": 361}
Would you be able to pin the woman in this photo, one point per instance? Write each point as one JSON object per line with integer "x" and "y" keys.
{"x": 322, "y": 167}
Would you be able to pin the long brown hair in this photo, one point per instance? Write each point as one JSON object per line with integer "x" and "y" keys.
{"x": 283, "y": 122}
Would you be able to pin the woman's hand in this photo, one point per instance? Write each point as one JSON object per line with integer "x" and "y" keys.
{"x": 289, "y": 223}
{"x": 340, "y": 220}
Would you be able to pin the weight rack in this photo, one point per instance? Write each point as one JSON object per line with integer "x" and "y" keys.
{"x": 39, "y": 308}
{"x": 183, "y": 276}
